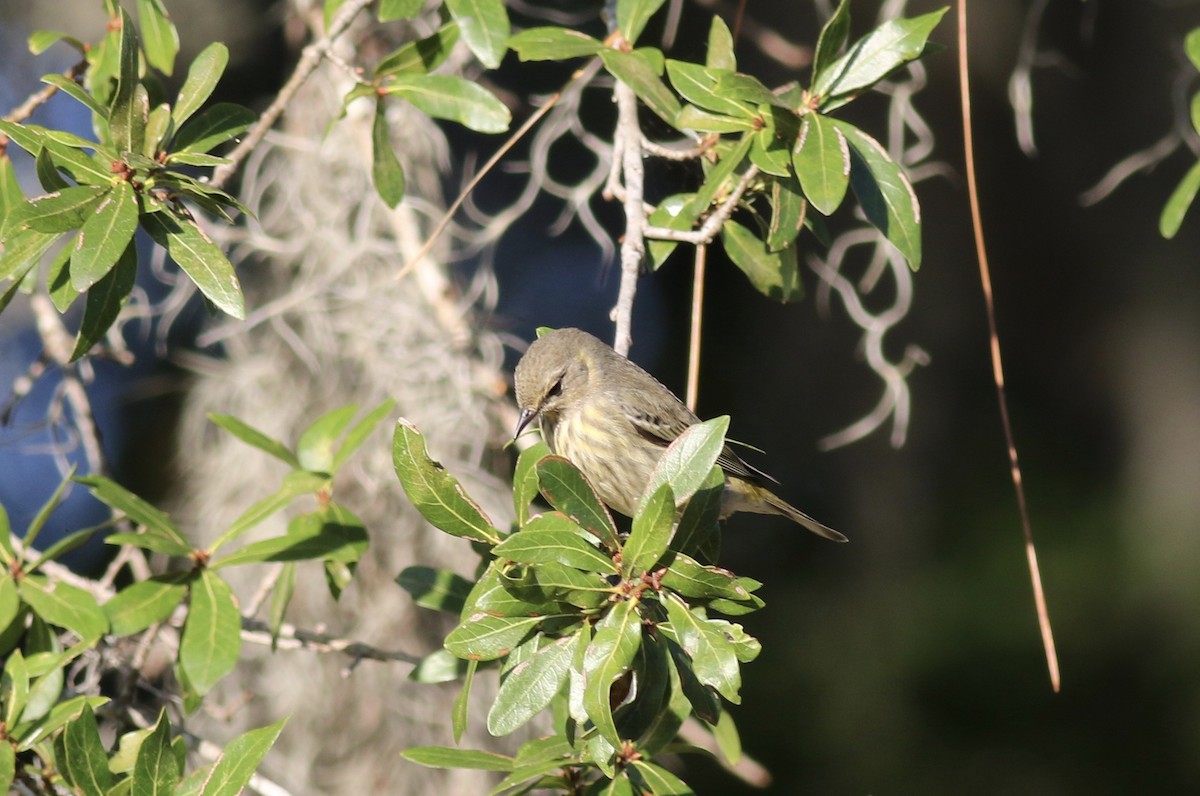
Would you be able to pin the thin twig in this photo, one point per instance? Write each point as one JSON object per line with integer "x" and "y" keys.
{"x": 38, "y": 99}
{"x": 633, "y": 243}
{"x": 310, "y": 59}
{"x": 712, "y": 225}
{"x": 693, "y": 378}
{"x": 985, "y": 278}
{"x": 1142, "y": 160}
{"x": 292, "y": 637}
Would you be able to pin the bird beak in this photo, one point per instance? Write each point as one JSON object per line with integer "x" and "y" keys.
{"x": 526, "y": 416}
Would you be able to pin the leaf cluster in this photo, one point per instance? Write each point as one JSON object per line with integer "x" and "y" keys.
{"x": 1185, "y": 192}
{"x": 618, "y": 636}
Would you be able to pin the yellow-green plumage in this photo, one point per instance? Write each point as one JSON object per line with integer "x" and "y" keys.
{"x": 613, "y": 420}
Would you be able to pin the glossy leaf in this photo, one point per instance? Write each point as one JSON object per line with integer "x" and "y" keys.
{"x": 872, "y": 57}
{"x": 822, "y": 161}
{"x": 200, "y": 258}
{"x": 693, "y": 118}
{"x": 105, "y": 236}
{"x": 138, "y": 510}
{"x": 698, "y": 85}
{"x": 553, "y": 538}
{"x": 206, "y": 69}
{"x": 680, "y": 212}
{"x": 529, "y": 686}
{"x": 567, "y": 490}
{"x": 525, "y": 479}
{"x": 462, "y": 703}
{"x": 436, "y": 589}
{"x": 142, "y": 604}
{"x": 608, "y": 657}
{"x": 652, "y": 778}
{"x": 553, "y": 44}
{"x": 156, "y": 771}
{"x": 331, "y": 533}
{"x": 252, "y": 436}
{"x": 159, "y": 37}
{"x": 688, "y": 460}
{"x": 483, "y": 637}
{"x": 832, "y": 38}
{"x": 14, "y": 688}
{"x": 449, "y": 757}
{"x": 689, "y": 578}
{"x": 484, "y": 26}
{"x": 10, "y": 601}
{"x": 774, "y": 274}
{"x": 452, "y": 98}
{"x": 213, "y": 127}
{"x": 637, "y": 73}
{"x": 315, "y": 447}
{"x": 85, "y": 761}
{"x": 127, "y": 115}
{"x": 651, "y": 531}
{"x": 47, "y": 173}
{"x": 720, "y": 46}
{"x": 390, "y": 10}
{"x": 41, "y": 40}
{"x": 59, "y": 211}
{"x": 64, "y": 605}
{"x": 1177, "y": 205}
{"x": 386, "y": 171}
{"x": 745, "y": 88}
{"x": 211, "y": 641}
{"x": 46, "y": 509}
{"x": 435, "y": 493}
{"x": 295, "y": 484}
{"x": 632, "y": 16}
{"x": 423, "y": 55}
{"x": 788, "y": 210}
{"x": 105, "y": 300}
{"x": 884, "y": 192}
{"x": 360, "y": 432}
{"x": 239, "y": 760}
{"x": 713, "y": 659}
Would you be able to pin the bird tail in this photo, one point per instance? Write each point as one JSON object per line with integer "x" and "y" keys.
{"x": 778, "y": 505}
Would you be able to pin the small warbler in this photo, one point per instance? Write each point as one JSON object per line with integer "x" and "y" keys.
{"x": 614, "y": 420}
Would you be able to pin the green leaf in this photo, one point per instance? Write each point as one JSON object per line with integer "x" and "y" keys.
{"x": 423, "y": 55}
{"x": 553, "y": 537}
{"x": 105, "y": 300}
{"x": 1191, "y": 45}
{"x": 314, "y": 449}
{"x": 252, "y": 436}
{"x": 872, "y": 57}
{"x": 697, "y": 85}
{"x": 822, "y": 161}
{"x": 484, "y": 25}
{"x": 138, "y": 510}
{"x": 693, "y": 118}
{"x": 295, "y": 484}
{"x": 47, "y": 508}
{"x": 529, "y": 686}
{"x": 649, "y": 777}
{"x": 609, "y": 656}
{"x": 59, "y": 211}
{"x": 64, "y": 545}
{"x": 213, "y": 127}
{"x": 884, "y": 192}
{"x": 713, "y": 659}
{"x": 462, "y": 703}
{"x": 720, "y": 46}
{"x": 567, "y": 490}
{"x": 8, "y": 766}
{"x": 10, "y": 601}
{"x": 553, "y": 44}
{"x": 58, "y": 716}
{"x": 85, "y": 761}
{"x": 651, "y": 533}
{"x": 679, "y": 211}
{"x": 686, "y": 463}
{"x": 142, "y": 604}
{"x": 47, "y": 173}
{"x": 331, "y": 534}
{"x": 1181, "y": 199}
{"x": 449, "y": 757}
{"x": 14, "y": 689}
{"x": 452, "y": 98}
{"x": 436, "y": 589}
{"x": 127, "y": 115}
{"x": 240, "y": 759}
{"x": 390, "y": 10}
{"x": 106, "y": 234}
{"x": 637, "y": 73}
{"x": 360, "y": 432}
{"x": 386, "y": 171}
{"x": 200, "y": 259}
{"x": 41, "y": 40}
{"x": 156, "y": 771}
{"x": 774, "y": 274}
{"x": 832, "y": 38}
{"x": 11, "y": 195}
{"x": 788, "y": 209}
{"x": 525, "y": 479}
{"x": 211, "y": 640}
{"x": 719, "y": 181}
{"x": 281, "y": 597}
{"x": 569, "y": 585}
{"x": 745, "y": 88}
{"x": 632, "y": 16}
{"x": 435, "y": 493}
{"x": 689, "y": 578}
{"x": 483, "y": 637}
{"x": 65, "y": 606}
{"x": 72, "y": 89}
{"x": 159, "y": 37}
{"x": 438, "y": 666}
{"x": 206, "y": 69}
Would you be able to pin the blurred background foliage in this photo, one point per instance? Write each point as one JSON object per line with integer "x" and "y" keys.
{"x": 909, "y": 661}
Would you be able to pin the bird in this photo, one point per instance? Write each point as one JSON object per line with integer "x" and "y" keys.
{"x": 613, "y": 421}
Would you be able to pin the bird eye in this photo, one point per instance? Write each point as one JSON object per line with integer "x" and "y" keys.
{"x": 556, "y": 390}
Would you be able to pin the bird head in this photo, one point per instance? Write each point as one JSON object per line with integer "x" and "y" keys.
{"x": 553, "y": 374}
